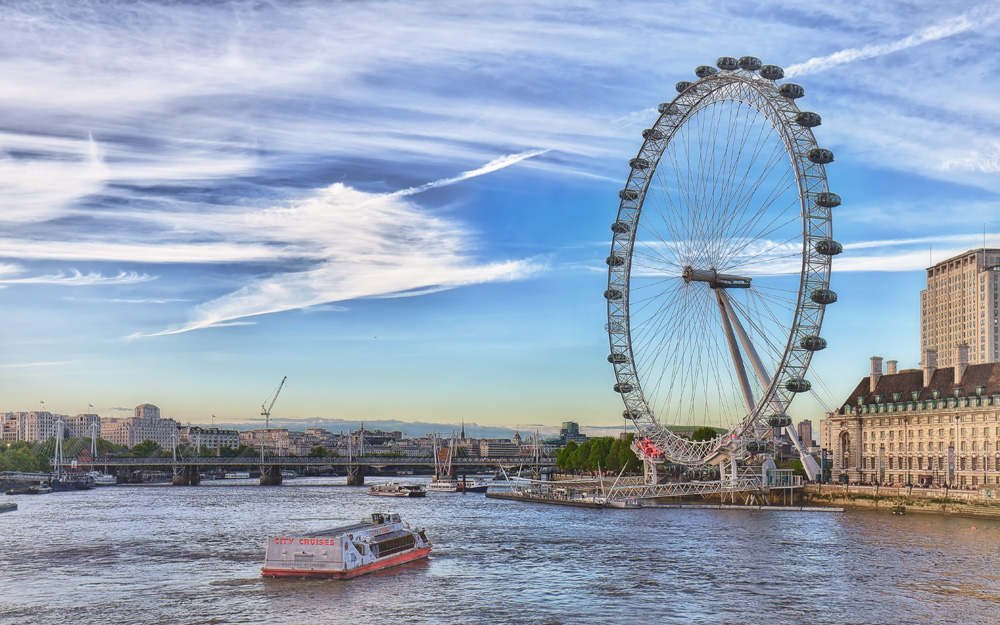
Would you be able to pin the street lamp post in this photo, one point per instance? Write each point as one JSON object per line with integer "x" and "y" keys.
{"x": 906, "y": 448}
{"x": 881, "y": 464}
{"x": 823, "y": 466}
{"x": 951, "y": 465}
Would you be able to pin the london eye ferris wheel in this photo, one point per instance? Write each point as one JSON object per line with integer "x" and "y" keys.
{"x": 719, "y": 270}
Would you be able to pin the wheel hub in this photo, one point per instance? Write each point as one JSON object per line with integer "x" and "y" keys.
{"x": 715, "y": 279}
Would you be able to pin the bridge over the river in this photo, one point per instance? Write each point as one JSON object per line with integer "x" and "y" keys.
{"x": 187, "y": 469}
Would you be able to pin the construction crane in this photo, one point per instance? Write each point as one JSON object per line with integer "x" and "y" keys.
{"x": 265, "y": 408}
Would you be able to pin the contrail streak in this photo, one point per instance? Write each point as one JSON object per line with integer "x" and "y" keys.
{"x": 494, "y": 165}
{"x": 975, "y": 18}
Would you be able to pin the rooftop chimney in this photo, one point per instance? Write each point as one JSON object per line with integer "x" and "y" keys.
{"x": 929, "y": 365}
{"x": 876, "y": 373}
{"x": 890, "y": 367}
{"x": 962, "y": 362}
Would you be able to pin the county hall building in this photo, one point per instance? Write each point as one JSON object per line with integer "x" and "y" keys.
{"x": 928, "y": 426}
{"x": 938, "y": 424}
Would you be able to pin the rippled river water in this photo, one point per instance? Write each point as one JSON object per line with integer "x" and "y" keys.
{"x": 160, "y": 554}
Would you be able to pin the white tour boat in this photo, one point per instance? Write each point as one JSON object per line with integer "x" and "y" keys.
{"x": 443, "y": 485}
{"x": 376, "y": 543}
{"x": 103, "y": 479}
{"x": 392, "y": 489}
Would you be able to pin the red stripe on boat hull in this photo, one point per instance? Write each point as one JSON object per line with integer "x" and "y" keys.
{"x": 416, "y": 554}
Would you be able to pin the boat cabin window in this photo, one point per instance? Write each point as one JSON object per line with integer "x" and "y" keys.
{"x": 378, "y": 518}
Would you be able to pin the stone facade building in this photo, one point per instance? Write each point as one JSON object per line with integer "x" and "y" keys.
{"x": 277, "y": 441}
{"x": 213, "y": 438}
{"x": 41, "y": 425}
{"x": 927, "y": 426}
{"x": 145, "y": 425}
{"x": 960, "y": 306}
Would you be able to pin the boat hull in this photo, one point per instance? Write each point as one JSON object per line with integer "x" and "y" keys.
{"x": 82, "y": 482}
{"x": 474, "y": 489}
{"x": 402, "y": 558}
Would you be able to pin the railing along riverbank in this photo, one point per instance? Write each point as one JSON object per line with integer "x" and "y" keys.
{"x": 983, "y": 502}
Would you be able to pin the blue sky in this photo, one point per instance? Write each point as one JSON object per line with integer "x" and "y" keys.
{"x": 404, "y": 207}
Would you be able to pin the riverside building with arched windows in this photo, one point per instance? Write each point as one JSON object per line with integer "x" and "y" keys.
{"x": 924, "y": 427}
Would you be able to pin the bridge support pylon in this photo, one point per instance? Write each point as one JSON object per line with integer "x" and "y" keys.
{"x": 356, "y": 475}
{"x": 186, "y": 476}
{"x": 270, "y": 475}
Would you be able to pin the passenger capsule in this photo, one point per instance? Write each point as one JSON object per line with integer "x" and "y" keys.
{"x": 791, "y": 91}
{"x": 623, "y": 387}
{"x": 666, "y": 107}
{"x": 749, "y": 63}
{"x": 638, "y": 163}
{"x": 808, "y": 119}
{"x": 813, "y": 343}
{"x": 727, "y": 63}
{"x": 628, "y": 194}
{"x": 782, "y": 420}
{"x": 756, "y": 447}
{"x": 828, "y": 247}
{"x": 823, "y": 296}
{"x": 617, "y": 359}
{"x": 704, "y": 71}
{"x": 820, "y": 156}
{"x": 631, "y": 414}
{"x": 652, "y": 133}
{"x": 612, "y": 294}
{"x": 682, "y": 86}
{"x": 621, "y": 227}
{"x": 827, "y": 199}
{"x": 772, "y": 72}
{"x": 615, "y": 261}
{"x": 797, "y": 385}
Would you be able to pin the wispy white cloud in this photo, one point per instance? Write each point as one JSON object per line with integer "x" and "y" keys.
{"x": 29, "y": 365}
{"x": 77, "y": 278}
{"x": 37, "y": 189}
{"x": 982, "y": 16}
{"x": 159, "y": 250}
{"x": 985, "y": 160}
{"x": 144, "y": 300}
{"x": 371, "y": 245}
{"x": 322, "y": 308}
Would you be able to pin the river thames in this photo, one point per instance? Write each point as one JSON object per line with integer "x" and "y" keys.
{"x": 161, "y": 554}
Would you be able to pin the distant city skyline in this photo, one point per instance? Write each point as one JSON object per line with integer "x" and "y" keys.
{"x": 405, "y": 208}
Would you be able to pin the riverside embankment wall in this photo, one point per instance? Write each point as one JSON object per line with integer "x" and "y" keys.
{"x": 984, "y": 502}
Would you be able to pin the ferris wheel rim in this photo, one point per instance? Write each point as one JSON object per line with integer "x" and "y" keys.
{"x": 761, "y": 93}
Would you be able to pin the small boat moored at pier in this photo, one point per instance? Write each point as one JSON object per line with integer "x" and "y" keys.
{"x": 103, "y": 479}
{"x": 378, "y": 542}
{"x": 475, "y": 485}
{"x": 40, "y": 489}
{"x": 72, "y": 481}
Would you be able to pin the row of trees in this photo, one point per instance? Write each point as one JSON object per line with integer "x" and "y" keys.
{"x": 20, "y": 456}
{"x": 606, "y": 453}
